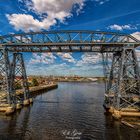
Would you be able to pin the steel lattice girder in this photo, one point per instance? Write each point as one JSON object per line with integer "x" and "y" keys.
{"x": 19, "y": 77}
{"x": 5, "y": 77}
{"x": 123, "y": 88}
{"x": 106, "y": 57}
{"x": 68, "y": 41}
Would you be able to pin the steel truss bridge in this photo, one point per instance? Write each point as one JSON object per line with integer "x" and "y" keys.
{"x": 120, "y": 64}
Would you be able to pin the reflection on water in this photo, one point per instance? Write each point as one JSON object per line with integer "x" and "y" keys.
{"x": 73, "y": 111}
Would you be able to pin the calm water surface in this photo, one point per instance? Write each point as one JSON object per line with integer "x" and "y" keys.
{"x": 73, "y": 111}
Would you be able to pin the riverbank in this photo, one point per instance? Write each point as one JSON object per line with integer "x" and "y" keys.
{"x": 33, "y": 92}
{"x": 38, "y": 89}
{"x": 75, "y": 78}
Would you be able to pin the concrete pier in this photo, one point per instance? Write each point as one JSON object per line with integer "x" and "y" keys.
{"x": 26, "y": 102}
{"x": 124, "y": 112}
{"x": 111, "y": 110}
{"x": 9, "y": 110}
{"x": 116, "y": 114}
{"x": 18, "y": 106}
{"x": 31, "y": 100}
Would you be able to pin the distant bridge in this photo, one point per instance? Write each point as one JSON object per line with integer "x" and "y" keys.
{"x": 122, "y": 88}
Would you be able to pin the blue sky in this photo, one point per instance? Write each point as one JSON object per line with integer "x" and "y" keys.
{"x": 36, "y": 15}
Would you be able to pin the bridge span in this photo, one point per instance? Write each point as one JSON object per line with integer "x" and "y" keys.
{"x": 68, "y": 41}
{"x": 122, "y": 84}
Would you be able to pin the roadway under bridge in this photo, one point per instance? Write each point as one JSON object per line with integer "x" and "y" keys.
{"x": 122, "y": 84}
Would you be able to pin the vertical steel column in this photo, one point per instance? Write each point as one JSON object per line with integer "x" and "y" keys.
{"x": 5, "y": 74}
{"x": 129, "y": 80}
{"x": 106, "y": 69}
{"x": 124, "y": 81}
{"x": 19, "y": 76}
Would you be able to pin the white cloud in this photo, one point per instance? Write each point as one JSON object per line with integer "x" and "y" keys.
{"x": 122, "y": 27}
{"x": 67, "y": 57}
{"x": 28, "y": 23}
{"x": 58, "y": 9}
{"x": 87, "y": 64}
{"x": 136, "y": 35}
{"x": 89, "y": 59}
{"x": 101, "y": 2}
{"x": 45, "y": 58}
{"x": 138, "y": 56}
{"x": 49, "y": 11}
{"x": 49, "y": 58}
{"x": 65, "y": 69}
{"x": 138, "y": 53}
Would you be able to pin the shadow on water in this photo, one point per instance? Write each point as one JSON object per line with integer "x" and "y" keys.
{"x": 117, "y": 131}
{"x": 15, "y": 127}
{"x": 69, "y": 112}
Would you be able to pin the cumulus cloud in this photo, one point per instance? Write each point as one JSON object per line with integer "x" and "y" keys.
{"x": 138, "y": 53}
{"x": 67, "y": 57}
{"x": 88, "y": 59}
{"x": 136, "y": 35}
{"x": 85, "y": 66}
{"x": 45, "y": 58}
{"x": 49, "y": 58}
{"x": 58, "y": 9}
{"x": 121, "y": 27}
{"x": 29, "y": 23}
{"x": 49, "y": 11}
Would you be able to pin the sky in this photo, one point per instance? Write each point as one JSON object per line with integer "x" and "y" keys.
{"x": 18, "y": 16}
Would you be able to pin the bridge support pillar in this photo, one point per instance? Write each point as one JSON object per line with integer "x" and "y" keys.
{"x": 123, "y": 87}
{"x": 6, "y": 94}
{"x": 7, "y": 97}
{"x": 19, "y": 79}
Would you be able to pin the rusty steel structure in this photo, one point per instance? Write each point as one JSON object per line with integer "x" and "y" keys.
{"x": 19, "y": 77}
{"x": 120, "y": 64}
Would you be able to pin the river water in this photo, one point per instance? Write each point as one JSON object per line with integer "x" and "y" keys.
{"x": 73, "y": 111}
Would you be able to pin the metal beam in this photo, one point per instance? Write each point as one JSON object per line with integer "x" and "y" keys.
{"x": 19, "y": 77}
{"x": 123, "y": 88}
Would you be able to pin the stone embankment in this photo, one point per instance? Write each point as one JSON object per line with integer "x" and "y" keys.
{"x": 9, "y": 109}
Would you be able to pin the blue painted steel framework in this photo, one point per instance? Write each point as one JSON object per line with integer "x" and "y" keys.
{"x": 122, "y": 84}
